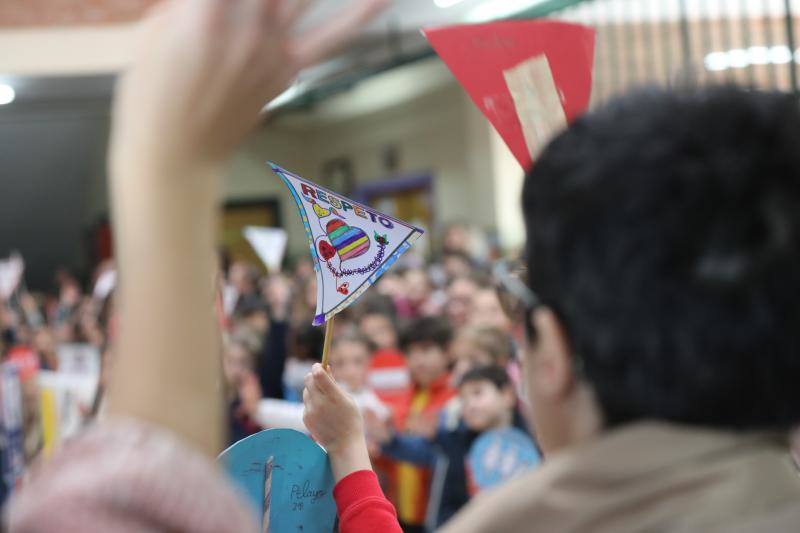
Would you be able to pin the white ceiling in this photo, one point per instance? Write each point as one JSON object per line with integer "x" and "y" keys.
{"x": 381, "y": 91}
{"x": 390, "y": 41}
{"x": 402, "y": 14}
{"x": 411, "y": 15}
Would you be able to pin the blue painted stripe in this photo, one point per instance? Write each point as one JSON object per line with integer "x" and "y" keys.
{"x": 347, "y": 237}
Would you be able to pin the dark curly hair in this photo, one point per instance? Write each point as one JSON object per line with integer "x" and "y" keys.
{"x": 496, "y": 375}
{"x": 426, "y": 330}
{"x": 664, "y": 231}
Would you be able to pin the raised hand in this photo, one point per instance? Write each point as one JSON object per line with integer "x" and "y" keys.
{"x": 205, "y": 69}
{"x": 199, "y": 79}
{"x": 278, "y": 293}
{"x": 334, "y": 420}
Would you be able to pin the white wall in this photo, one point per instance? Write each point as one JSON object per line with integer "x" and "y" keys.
{"x": 440, "y": 132}
{"x": 508, "y": 178}
{"x": 430, "y": 134}
{"x": 250, "y": 178}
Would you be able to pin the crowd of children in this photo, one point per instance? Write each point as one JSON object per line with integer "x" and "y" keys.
{"x": 429, "y": 357}
{"x": 660, "y": 338}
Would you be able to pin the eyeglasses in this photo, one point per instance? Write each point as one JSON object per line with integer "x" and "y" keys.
{"x": 516, "y": 298}
{"x": 519, "y": 301}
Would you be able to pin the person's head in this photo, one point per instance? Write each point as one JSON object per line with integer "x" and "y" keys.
{"x": 349, "y": 360}
{"x": 425, "y": 341}
{"x": 252, "y": 312}
{"x": 486, "y": 310}
{"x": 44, "y": 341}
{"x": 391, "y": 284}
{"x": 70, "y": 295}
{"x": 663, "y": 241}
{"x": 304, "y": 268}
{"x": 243, "y": 276}
{"x": 473, "y": 347}
{"x": 306, "y": 342}
{"x": 457, "y": 264}
{"x": 456, "y": 239}
{"x": 23, "y": 334}
{"x": 460, "y": 293}
{"x": 304, "y": 302}
{"x": 247, "y": 336}
{"x": 377, "y": 321}
{"x": 237, "y": 360}
{"x": 417, "y": 285}
{"x": 487, "y": 398}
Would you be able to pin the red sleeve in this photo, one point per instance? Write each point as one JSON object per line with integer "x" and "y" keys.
{"x": 362, "y": 506}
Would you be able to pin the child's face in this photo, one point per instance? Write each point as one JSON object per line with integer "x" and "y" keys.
{"x": 235, "y": 362}
{"x": 417, "y": 285}
{"x": 238, "y": 276}
{"x": 350, "y": 364}
{"x": 484, "y": 406}
{"x": 466, "y": 355}
{"x": 426, "y": 363}
{"x": 311, "y": 293}
{"x": 455, "y": 266}
{"x": 379, "y": 330}
{"x": 487, "y": 311}
{"x": 43, "y": 341}
{"x": 459, "y": 300}
{"x": 258, "y": 321}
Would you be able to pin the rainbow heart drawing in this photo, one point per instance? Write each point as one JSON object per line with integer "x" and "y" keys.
{"x": 347, "y": 259}
{"x": 349, "y": 241}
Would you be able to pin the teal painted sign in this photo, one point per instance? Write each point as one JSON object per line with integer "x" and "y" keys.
{"x": 287, "y": 477}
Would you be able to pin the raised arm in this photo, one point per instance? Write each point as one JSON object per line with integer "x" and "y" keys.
{"x": 334, "y": 420}
{"x": 202, "y": 73}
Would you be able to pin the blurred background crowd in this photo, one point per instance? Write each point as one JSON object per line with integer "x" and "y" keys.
{"x": 429, "y": 354}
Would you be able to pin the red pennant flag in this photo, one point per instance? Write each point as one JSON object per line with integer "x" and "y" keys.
{"x": 515, "y": 72}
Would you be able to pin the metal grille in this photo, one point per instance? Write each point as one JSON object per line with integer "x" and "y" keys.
{"x": 691, "y": 42}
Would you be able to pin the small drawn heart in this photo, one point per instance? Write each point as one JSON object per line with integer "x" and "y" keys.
{"x": 326, "y": 251}
{"x": 344, "y": 288}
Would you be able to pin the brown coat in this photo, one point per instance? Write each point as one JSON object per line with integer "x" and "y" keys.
{"x": 649, "y": 478}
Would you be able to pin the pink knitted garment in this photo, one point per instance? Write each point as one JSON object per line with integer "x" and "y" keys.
{"x": 127, "y": 477}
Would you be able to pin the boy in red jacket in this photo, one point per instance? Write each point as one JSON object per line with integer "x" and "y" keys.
{"x": 424, "y": 341}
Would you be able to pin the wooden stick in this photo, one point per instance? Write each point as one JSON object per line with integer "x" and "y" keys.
{"x": 326, "y": 346}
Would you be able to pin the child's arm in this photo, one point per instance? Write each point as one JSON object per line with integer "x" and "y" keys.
{"x": 410, "y": 448}
{"x": 272, "y": 359}
{"x": 202, "y": 73}
{"x": 335, "y": 422}
{"x": 274, "y": 350}
{"x": 402, "y": 446}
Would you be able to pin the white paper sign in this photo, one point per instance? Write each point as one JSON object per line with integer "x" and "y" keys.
{"x": 269, "y": 244}
{"x": 105, "y": 284}
{"x": 351, "y": 244}
{"x": 11, "y": 271}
